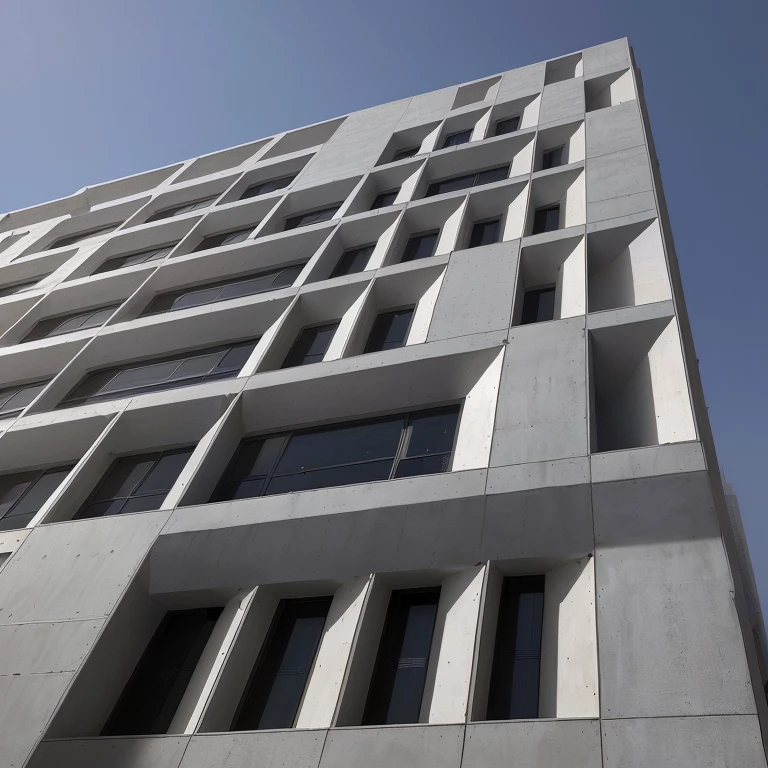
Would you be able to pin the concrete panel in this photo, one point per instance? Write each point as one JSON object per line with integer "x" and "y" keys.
{"x": 542, "y": 410}
{"x": 561, "y": 100}
{"x": 542, "y": 474}
{"x": 670, "y": 641}
{"x": 618, "y": 174}
{"x": 427, "y": 108}
{"x": 614, "y": 129}
{"x": 155, "y": 751}
{"x": 415, "y": 746}
{"x": 477, "y": 292}
{"x": 688, "y": 742}
{"x": 628, "y": 205}
{"x": 525, "y": 81}
{"x": 533, "y": 744}
{"x": 606, "y": 58}
{"x": 291, "y": 749}
{"x": 646, "y": 462}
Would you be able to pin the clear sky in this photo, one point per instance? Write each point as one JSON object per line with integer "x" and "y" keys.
{"x": 92, "y": 90}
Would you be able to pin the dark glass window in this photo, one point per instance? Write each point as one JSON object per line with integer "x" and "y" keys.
{"x": 280, "y": 675}
{"x": 154, "y": 692}
{"x": 397, "y": 684}
{"x": 223, "y": 238}
{"x": 510, "y": 125}
{"x": 13, "y": 400}
{"x": 385, "y": 199}
{"x": 343, "y": 454}
{"x": 223, "y": 290}
{"x": 403, "y": 154}
{"x": 538, "y": 305}
{"x": 468, "y": 180}
{"x": 421, "y": 246}
{"x": 160, "y": 374}
{"x": 135, "y": 483}
{"x": 22, "y": 495}
{"x": 390, "y": 330}
{"x": 311, "y": 345}
{"x": 552, "y": 158}
{"x": 10, "y": 290}
{"x": 141, "y": 257}
{"x": 267, "y": 186}
{"x": 514, "y": 689}
{"x": 454, "y": 139}
{"x": 177, "y": 210}
{"x": 312, "y": 217}
{"x": 354, "y": 260}
{"x": 485, "y": 233}
{"x": 546, "y": 219}
{"x": 75, "y": 321}
{"x": 72, "y": 239}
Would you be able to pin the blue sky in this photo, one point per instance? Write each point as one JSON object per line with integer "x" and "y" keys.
{"x": 93, "y": 90}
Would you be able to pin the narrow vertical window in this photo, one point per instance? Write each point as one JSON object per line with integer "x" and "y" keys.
{"x": 353, "y": 261}
{"x": 485, "y": 233}
{"x": 454, "y": 139}
{"x": 311, "y": 345}
{"x": 421, "y": 246}
{"x": 538, "y": 305}
{"x": 385, "y": 199}
{"x": 552, "y": 158}
{"x": 509, "y": 125}
{"x": 390, "y": 330}
{"x": 546, "y": 219}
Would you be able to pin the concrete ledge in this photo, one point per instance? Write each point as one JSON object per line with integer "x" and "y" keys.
{"x": 646, "y": 462}
{"x": 626, "y": 315}
{"x": 155, "y": 751}
{"x": 540, "y": 474}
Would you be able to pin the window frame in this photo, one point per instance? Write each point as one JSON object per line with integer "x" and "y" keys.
{"x": 407, "y": 307}
{"x": 490, "y": 220}
{"x": 413, "y": 236}
{"x": 55, "y": 333}
{"x": 20, "y": 388}
{"x": 475, "y": 176}
{"x": 336, "y": 207}
{"x": 375, "y": 207}
{"x": 124, "y": 257}
{"x": 12, "y": 289}
{"x": 415, "y": 151}
{"x": 38, "y": 475}
{"x": 506, "y": 120}
{"x": 224, "y": 234}
{"x": 449, "y": 136}
{"x": 85, "y": 235}
{"x": 178, "y": 208}
{"x": 548, "y": 152}
{"x": 538, "y": 290}
{"x": 336, "y": 273}
{"x": 314, "y": 326}
{"x": 545, "y": 209}
{"x": 290, "y": 177}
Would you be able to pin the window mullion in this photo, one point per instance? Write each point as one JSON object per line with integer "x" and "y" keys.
{"x": 269, "y": 475}
{"x": 405, "y": 438}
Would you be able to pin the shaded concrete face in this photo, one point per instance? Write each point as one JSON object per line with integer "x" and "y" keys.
{"x": 582, "y": 451}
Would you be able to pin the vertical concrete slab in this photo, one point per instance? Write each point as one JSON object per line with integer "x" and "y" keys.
{"x": 426, "y": 108}
{"x": 619, "y": 184}
{"x": 614, "y": 129}
{"x": 562, "y": 100}
{"x": 525, "y": 81}
{"x": 606, "y": 58}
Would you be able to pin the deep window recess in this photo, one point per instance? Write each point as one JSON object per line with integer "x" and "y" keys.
{"x": 409, "y": 444}
{"x": 75, "y": 321}
{"x": 223, "y": 238}
{"x": 140, "y": 257}
{"x": 468, "y": 180}
{"x": 421, "y": 246}
{"x": 485, "y": 233}
{"x": 224, "y": 290}
{"x": 135, "y": 484}
{"x": 22, "y": 495}
{"x": 273, "y": 693}
{"x": 312, "y": 217}
{"x": 13, "y": 400}
{"x": 72, "y": 239}
{"x": 390, "y": 330}
{"x": 454, "y": 139}
{"x": 510, "y": 125}
{"x": 311, "y": 345}
{"x": 178, "y": 210}
{"x": 385, "y": 199}
{"x": 546, "y": 219}
{"x": 154, "y": 692}
{"x": 11, "y": 290}
{"x": 397, "y": 684}
{"x": 552, "y": 158}
{"x": 267, "y": 186}
{"x": 538, "y": 305}
{"x": 403, "y": 154}
{"x": 514, "y": 689}
{"x": 159, "y": 374}
{"x": 353, "y": 261}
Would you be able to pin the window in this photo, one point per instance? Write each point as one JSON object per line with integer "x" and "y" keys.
{"x": 353, "y": 261}
{"x": 140, "y": 257}
{"x": 421, "y": 246}
{"x": 22, "y": 495}
{"x": 177, "y": 210}
{"x": 385, "y": 199}
{"x": 313, "y": 217}
{"x": 160, "y": 374}
{"x": 11, "y": 290}
{"x": 390, "y": 330}
{"x": 509, "y": 125}
{"x": 72, "y": 239}
{"x": 514, "y": 689}
{"x": 223, "y": 238}
{"x": 135, "y": 484}
{"x": 13, "y": 400}
{"x": 485, "y": 233}
{"x": 75, "y": 321}
{"x": 397, "y": 685}
{"x": 552, "y": 158}
{"x": 265, "y": 187}
{"x": 153, "y": 694}
{"x": 538, "y": 305}
{"x": 468, "y": 180}
{"x": 223, "y": 290}
{"x": 546, "y": 219}
{"x": 279, "y": 677}
{"x": 405, "y": 445}
{"x": 454, "y": 139}
{"x": 403, "y": 154}
{"x": 311, "y": 345}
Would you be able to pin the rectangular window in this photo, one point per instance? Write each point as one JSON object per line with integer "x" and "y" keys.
{"x": 13, "y": 400}
{"x": 178, "y": 210}
{"x": 454, "y": 139}
{"x": 223, "y": 238}
{"x": 485, "y": 233}
{"x": 22, "y": 495}
{"x": 467, "y": 181}
{"x": 552, "y": 158}
{"x": 264, "y": 187}
{"x": 312, "y": 217}
{"x": 76, "y": 321}
{"x": 156, "y": 375}
{"x": 405, "y": 445}
{"x": 385, "y": 199}
{"x": 421, "y": 246}
{"x": 546, "y": 219}
{"x": 311, "y": 345}
{"x": 154, "y": 692}
{"x": 135, "y": 484}
{"x": 140, "y": 257}
{"x": 538, "y": 305}
{"x": 11, "y": 290}
{"x": 514, "y": 689}
{"x": 403, "y": 154}
{"x": 354, "y": 260}
{"x": 279, "y": 677}
{"x": 390, "y": 330}
{"x": 397, "y": 684}
{"x": 509, "y": 125}
{"x": 80, "y": 236}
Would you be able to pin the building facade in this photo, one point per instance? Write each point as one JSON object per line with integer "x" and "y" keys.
{"x": 379, "y": 442}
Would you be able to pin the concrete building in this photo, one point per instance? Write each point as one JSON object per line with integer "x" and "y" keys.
{"x": 378, "y": 443}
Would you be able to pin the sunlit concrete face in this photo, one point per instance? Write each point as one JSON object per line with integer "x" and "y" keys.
{"x": 481, "y": 284}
